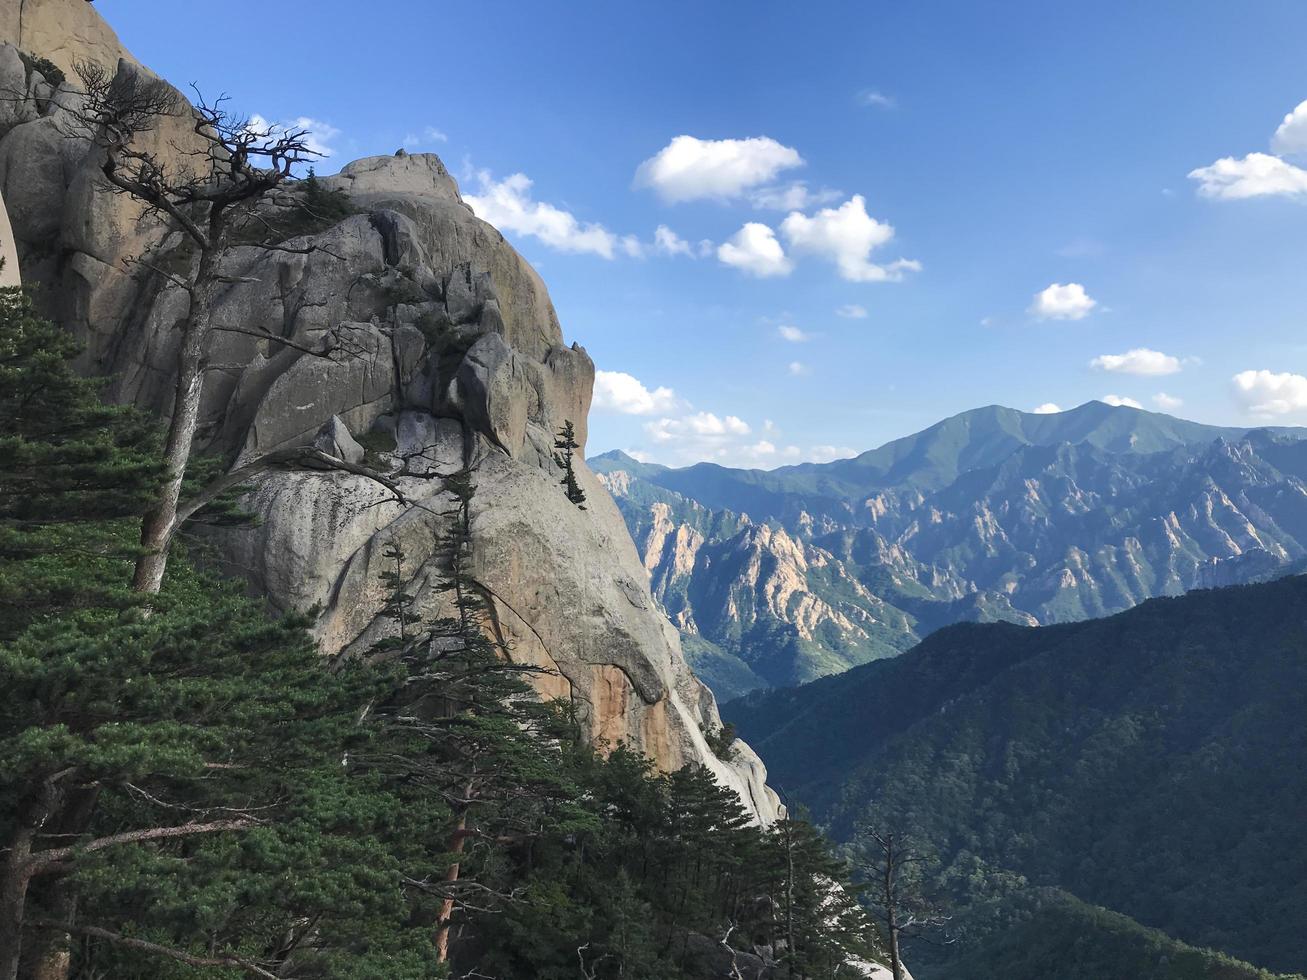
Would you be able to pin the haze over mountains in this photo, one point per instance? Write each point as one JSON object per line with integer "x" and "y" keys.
{"x": 778, "y": 577}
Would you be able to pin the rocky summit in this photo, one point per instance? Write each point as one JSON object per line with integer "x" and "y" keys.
{"x": 457, "y": 360}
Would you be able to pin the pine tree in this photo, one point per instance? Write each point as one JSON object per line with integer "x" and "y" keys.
{"x": 171, "y": 787}
{"x": 566, "y": 443}
{"x": 73, "y": 472}
{"x": 464, "y": 730}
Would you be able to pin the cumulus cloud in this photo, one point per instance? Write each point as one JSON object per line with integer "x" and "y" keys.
{"x": 1062, "y": 301}
{"x": 616, "y": 391}
{"x": 1261, "y": 174}
{"x": 1167, "y": 403}
{"x": 691, "y": 169}
{"x": 1290, "y": 139}
{"x": 792, "y": 197}
{"x": 704, "y": 426}
{"x": 877, "y": 100}
{"x": 668, "y": 242}
{"x": 1255, "y": 175}
{"x": 318, "y": 135}
{"x": 797, "y": 368}
{"x": 1141, "y": 360}
{"x": 507, "y": 205}
{"x": 1269, "y": 393}
{"x": 755, "y": 250}
{"x": 793, "y": 334}
{"x": 846, "y": 236}
{"x": 851, "y": 311}
{"x": 1120, "y": 401}
{"x": 1048, "y": 408}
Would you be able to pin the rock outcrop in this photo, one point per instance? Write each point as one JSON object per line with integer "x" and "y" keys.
{"x": 456, "y": 359}
{"x": 840, "y": 563}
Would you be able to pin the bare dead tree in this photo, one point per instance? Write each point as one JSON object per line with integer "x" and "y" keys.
{"x": 892, "y": 868}
{"x": 208, "y": 192}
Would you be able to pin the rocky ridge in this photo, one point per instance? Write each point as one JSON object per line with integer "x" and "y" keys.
{"x": 858, "y": 560}
{"x": 461, "y": 363}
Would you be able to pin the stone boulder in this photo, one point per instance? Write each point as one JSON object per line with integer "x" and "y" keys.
{"x": 65, "y": 31}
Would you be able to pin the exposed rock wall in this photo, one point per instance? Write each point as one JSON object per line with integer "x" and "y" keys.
{"x": 65, "y": 31}
{"x": 460, "y": 362}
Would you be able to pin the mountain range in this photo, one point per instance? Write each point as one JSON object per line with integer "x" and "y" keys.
{"x": 1150, "y": 763}
{"x": 778, "y": 577}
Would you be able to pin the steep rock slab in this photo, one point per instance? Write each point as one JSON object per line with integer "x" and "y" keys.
{"x": 453, "y": 357}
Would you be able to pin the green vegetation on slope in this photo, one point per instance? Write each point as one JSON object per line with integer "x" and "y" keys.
{"x": 188, "y": 791}
{"x": 1053, "y": 934}
{"x": 1154, "y": 763}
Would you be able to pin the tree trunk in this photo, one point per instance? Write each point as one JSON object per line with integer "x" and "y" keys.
{"x": 895, "y": 961}
{"x": 14, "y": 880}
{"x": 891, "y": 910}
{"x": 790, "y": 951}
{"x": 451, "y": 875}
{"x": 160, "y": 523}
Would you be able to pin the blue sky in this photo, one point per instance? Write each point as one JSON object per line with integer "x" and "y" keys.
{"x": 1086, "y": 199}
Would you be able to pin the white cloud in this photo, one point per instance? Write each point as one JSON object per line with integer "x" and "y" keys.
{"x": 793, "y": 334}
{"x": 1060, "y": 301}
{"x": 691, "y": 169}
{"x": 846, "y": 235}
{"x": 792, "y": 197}
{"x": 1048, "y": 408}
{"x": 728, "y": 440}
{"x": 1290, "y": 139}
{"x": 878, "y": 100}
{"x": 1269, "y": 393}
{"x": 1141, "y": 360}
{"x": 507, "y": 205}
{"x": 616, "y": 391}
{"x": 426, "y": 137}
{"x": 318, "y": 135}
{"x": 669, "y": 242}
{"x": 798, "y": 368}
{"x": 702, "y": 426}
{"x": 852, "y": 311}
{"x": 632, "y": 246}
{"x": 1120, "y": 401}
{"x": 824, "y": 454}
{"x": 1256, "y": 175}
{"x": 638, "y": 455}
{"x": 1167, "y": 403}
{"x": 755, "y": 250}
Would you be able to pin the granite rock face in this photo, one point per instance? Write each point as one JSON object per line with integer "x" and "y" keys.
{"x": 455, "y": 359}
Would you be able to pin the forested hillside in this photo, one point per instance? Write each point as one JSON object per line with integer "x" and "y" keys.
{"x": 189, "y": 789}
{"x": 1154, "y": 763}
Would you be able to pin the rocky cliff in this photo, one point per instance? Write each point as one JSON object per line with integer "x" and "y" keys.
{"x": 460, "y": 361}
{"x": 993, "y": 515}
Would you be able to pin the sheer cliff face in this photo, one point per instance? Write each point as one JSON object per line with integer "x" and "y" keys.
{"x": 460, "y": 362}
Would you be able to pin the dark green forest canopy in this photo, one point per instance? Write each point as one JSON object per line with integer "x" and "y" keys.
{"x": 190, "y": 791}
{"x": 1154, "y": 762}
